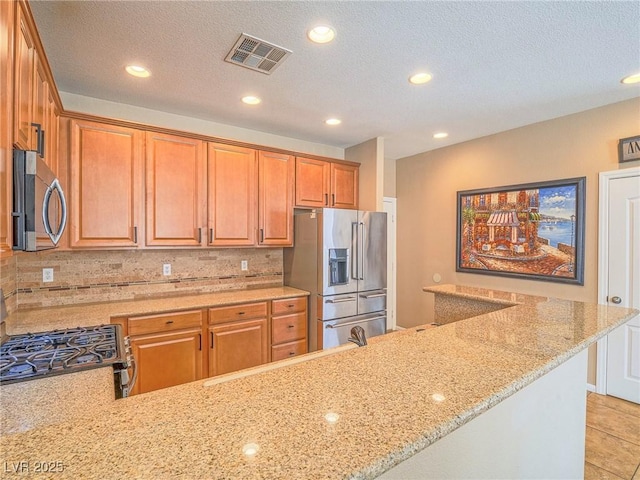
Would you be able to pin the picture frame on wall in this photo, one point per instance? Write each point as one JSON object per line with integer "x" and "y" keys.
{"x": 629, "y": 149}
{"x": 532, "y": 231}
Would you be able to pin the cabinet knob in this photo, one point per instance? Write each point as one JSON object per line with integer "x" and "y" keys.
{"x": 616, "y": 300}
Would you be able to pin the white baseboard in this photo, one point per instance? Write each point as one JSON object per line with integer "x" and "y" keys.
{"x": 591, "y": 387}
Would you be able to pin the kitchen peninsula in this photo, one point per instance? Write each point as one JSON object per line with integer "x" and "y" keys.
{"x": 355, "y": 414}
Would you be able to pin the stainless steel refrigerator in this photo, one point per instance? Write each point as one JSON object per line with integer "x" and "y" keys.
{"x": 340, "y": 256}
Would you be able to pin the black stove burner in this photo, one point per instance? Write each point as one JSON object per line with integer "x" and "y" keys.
{"x": 23, "y": 357}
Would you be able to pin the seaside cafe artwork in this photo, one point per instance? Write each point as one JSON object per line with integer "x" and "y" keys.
{"x": 531, "y": 231}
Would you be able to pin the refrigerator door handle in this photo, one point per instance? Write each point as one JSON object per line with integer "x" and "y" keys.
{"x": 355, "y": 267}
{"x": 361, "y": 251}
{"x": 340, "y": 300}
{"x": 355, "y": 322}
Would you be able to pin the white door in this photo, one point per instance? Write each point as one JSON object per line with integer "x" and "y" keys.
{"x": 390, "y": 205}
{"x": 623, "y": 281}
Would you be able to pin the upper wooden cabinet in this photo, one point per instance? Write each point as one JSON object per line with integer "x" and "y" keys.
{"x": 23, "y": 80}
{"x": 326, "y": 184}
{"x": 7, "y": 13}
{"x": 275, "y": 222}
{"x": 106, "y": 185}
{"x": 176, "y": 185}
{"x": 232, "y": 195}
{"x": 344, "y": 186}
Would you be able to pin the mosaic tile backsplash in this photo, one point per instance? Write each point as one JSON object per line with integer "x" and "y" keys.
{"x": 88, "y": 276}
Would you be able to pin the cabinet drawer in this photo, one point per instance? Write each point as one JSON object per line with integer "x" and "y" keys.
{"x": 165, "y": 322}
{"x": 288, "y": 327}
{"x": 288, "y": 305}
{"x": 237, "y": 312}
{"x": 288, "y": 350}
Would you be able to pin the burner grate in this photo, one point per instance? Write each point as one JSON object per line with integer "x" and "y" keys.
{"x": 27, "y": 356}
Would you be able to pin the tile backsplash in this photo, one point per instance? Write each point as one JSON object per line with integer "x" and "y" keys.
{"x": 8, "y": 281}
{"x": 96, "y": 276}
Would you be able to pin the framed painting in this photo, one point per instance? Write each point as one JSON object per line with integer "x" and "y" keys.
{"x": 533, "y": 231}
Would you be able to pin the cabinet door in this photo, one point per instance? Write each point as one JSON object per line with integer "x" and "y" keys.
{"x": 167, "y": 359}
{"x": 40, "y": 105}
{"x": 106, "y": 185}
{"x": 312, "y": 182}
{"x": 7, "y": 12}
{"x": 52, "y": 131}
{"x": 344, "y": 186}
{"x": 237, "y": 345}
{"x": 275, "y": 189}
{"x": 23, "y": 82}
{"x": 176, "y": 190}
{"x": 232, "y": 196}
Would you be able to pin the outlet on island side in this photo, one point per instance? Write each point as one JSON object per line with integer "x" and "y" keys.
{"x": 47, "y": 275}
{"x": 244, "y": 265}
{"x": 166, "y": 269}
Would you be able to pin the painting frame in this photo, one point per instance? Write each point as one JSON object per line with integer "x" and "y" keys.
{"x": 516, "y": 231}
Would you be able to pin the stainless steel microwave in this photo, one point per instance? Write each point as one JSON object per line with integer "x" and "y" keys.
{"x": 39, "y": 205}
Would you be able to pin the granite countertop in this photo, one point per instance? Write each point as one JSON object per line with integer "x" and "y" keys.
{"x": 394, "y": 397}
{"x": 49, "y": 318}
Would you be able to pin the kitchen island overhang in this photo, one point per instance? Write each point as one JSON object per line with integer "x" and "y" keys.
{"x": 391, "y": 399}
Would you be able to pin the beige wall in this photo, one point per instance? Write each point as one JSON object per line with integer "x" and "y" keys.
{"x": 582, "y": 144}
{"x": 389, "y": 178}
{"x": 370, "y": 156}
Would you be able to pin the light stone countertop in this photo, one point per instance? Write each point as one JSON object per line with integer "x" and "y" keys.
{"x": 89, "y": 314}
{"x": 383, "y": 393}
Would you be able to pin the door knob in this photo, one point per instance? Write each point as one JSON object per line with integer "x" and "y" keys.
{"x": 616, "y": 300}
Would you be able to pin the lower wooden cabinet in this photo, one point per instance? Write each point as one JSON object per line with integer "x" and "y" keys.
{"x": 165, "y": 360}
{"x": 288, "y": 327}
{"x": 237, "y": 345}
{"x": 167, "y": 349}
{"x": 179, "y": 347}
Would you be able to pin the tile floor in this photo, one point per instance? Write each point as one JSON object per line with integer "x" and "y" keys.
{"x": 613, "y": 439}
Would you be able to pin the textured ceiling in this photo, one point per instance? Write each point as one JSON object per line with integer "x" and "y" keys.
{"x": 495, "y": 65}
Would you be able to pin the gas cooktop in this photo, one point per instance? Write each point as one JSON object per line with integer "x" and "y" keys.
{"x": 33, "y": 355}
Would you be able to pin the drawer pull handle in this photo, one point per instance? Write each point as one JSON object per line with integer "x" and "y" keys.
{"x": 169, "y": 322}
{"x": 291, "y": 354}
{"x": 240, "y": 313}
{"x": 291, "y": 305}
{"x": 290, "y": 326}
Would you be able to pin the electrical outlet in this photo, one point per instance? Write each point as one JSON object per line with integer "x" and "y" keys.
{"x": 47, "y": 275}
{"x": 166, "y": 269}
{"x": 244, "y": 265}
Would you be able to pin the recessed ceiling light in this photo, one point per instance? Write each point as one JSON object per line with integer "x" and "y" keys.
{"x": 420, "y": 78}
{"x": 251, "y": 100}
{"x": 635, "y": 78}
{"x": 321, "y": 34}
{"x": 333, "y": 121}
{"x": 137, "y": 71}
{"x": 440, "y": 135}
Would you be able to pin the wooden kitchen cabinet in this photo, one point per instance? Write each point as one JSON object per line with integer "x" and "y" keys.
{"x": 288, "y": 327}
{"x": 275, "y": 190}
{"x": 232, "y": 195}
{"x": 176, "y": 194}
{"x": 167, "y": 349}
{"x": 7, "y": 24}
{"x": 321, "y": 183}
{"x": 238, "y": 337}
{"x": 344, "y": 186}
{"x": 24, "y": 77}
{"x": 106, "y": 186}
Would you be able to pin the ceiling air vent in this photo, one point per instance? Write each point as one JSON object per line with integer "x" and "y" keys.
{"x": 256, "y": 54}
